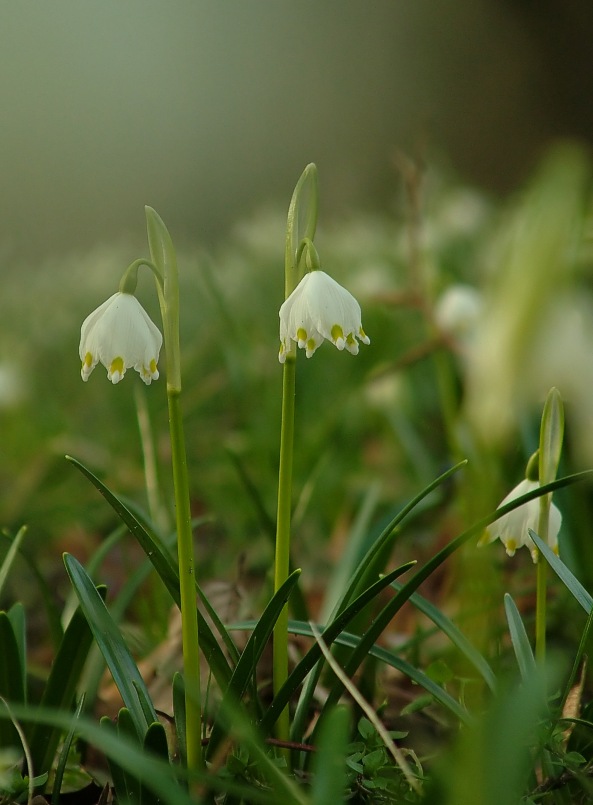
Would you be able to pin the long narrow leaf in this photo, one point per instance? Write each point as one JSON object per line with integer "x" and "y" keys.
{"x": 520, "y": 641}
{"x": 113, "y": 647}
{"x": 10, "y": 556}
{"x": 155, "y": 743}
{"x": 330, "y": 633}
{"x": 129, "y": 754}
{"x": 455, "y": 635}
{"x": 61, "y": 686}
{"x": 11, "y": 675}
{"x": 149, "y": 542}
{"x": 245, "y": 668}
{"x": 391, "y": 658}
{"x": 16, "y": 616}
{"x": 65, "y": 751}
{"x": 383, "y": 619}
{"x": 563, "y": 573}
{"x": 11, "y": 678}
{"x": 128, "y": 786}
{"x": 166, "y": 569}
{"x": 329, "y": 766}
{"x": 369, "y": 568}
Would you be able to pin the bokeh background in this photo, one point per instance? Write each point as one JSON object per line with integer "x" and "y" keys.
{"x": 209, "y": 111}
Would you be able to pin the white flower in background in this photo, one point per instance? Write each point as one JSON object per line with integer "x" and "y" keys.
{"x": 12, "y": 385}
{"x": 512, "y": 528}
{"x": 120, "y": 334}
{"x": 320, "y": 308}
{"x": 458, "y": 311}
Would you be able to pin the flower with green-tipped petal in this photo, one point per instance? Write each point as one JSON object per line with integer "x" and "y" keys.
{"x": 120, "y": 334}
{"x": 319, "y": 308}
{"x": 513, "y": 528}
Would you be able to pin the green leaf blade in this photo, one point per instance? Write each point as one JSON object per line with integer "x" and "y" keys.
{"x": 110, "y": 641}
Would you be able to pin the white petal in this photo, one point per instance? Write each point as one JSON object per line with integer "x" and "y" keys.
{"x": 319, "y": 308}
{"x": 89, "y": 323}
{"x": 513, "y": 528}
{"x": 120, "y": 334}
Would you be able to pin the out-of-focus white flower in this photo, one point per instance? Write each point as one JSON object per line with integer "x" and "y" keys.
{"x": 120, "y": 334}
{"x": 458, "y": 311}
{"x": 320, "y": 308}
{"x": 512, "y": 528}
{"x": 12, "y": 385}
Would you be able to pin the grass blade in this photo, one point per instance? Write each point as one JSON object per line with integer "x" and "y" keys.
{"x": 63, "y": 759}
{"x": 245, "y": 669}
{"x": 11, "y": 678}
{"x": 155, "y": 743}
{"x": 383, "y": 619}
{"x": 520, "y": 641}
{"x": 329, "y": 765}
{"x": 329, "y": 634}
{"x": 564, "y": 574}
{"x": 167, "y": 571}
{"x": 454, "y": 634}
{"x": 372, "y": 564}
{"x": 10, "y": 556}
{"x": 111, "y": 643}
{"x": 61, "y": 685}
{"x": 16, "y": 616}
{"x": 128, "y": 753}
{"x": 390, "y": 658}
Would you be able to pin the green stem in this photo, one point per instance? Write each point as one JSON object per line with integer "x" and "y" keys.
{"x": 187, "y": 583}
{"x": 164, "y": 260}
{"x": 282, "y": 558}
{"x": 294, "y": 247}
{"x": 129, "y": 279}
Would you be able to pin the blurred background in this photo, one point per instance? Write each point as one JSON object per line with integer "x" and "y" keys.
{"x": 208, "y": 112}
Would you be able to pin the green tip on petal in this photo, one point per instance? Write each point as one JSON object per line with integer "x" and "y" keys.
{"x": 363, "y": 336}
{"x": 337, "y": 335}
{"x": 301, "y": 337}
{"x": 311, "y": 346}
{"x": 116, "y": 370}
{"x": 511, "y": 546}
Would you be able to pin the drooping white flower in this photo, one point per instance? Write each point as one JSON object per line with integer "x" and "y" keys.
{"x": 317, "y": 309}
{"x": 120, "y": 334}
{"x": 512, "y": 528}
{"x": 458, "y": 311}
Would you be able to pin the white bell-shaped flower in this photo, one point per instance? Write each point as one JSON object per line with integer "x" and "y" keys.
{"x": 513, "y": 528}
{"x": 317, "y": 309}
{"x": 120, "y": 334}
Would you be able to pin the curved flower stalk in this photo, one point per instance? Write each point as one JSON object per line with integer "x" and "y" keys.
{"x": 513, "y": 528}
{"x": 318, "y": 309}
{"x": 120, "y": 334}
